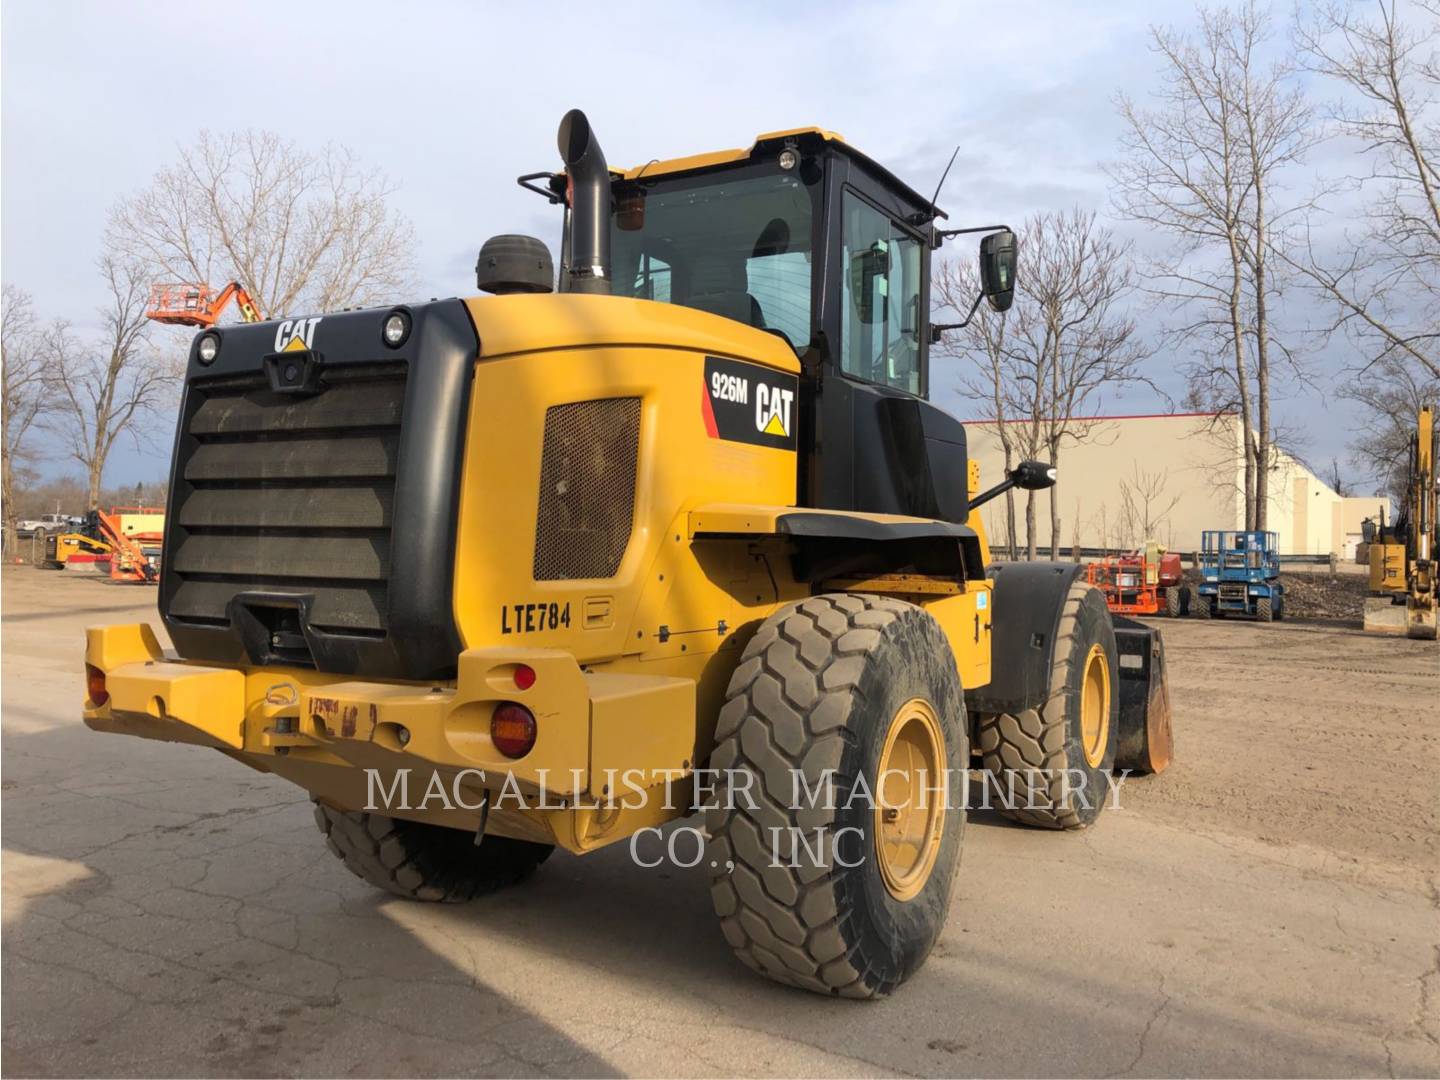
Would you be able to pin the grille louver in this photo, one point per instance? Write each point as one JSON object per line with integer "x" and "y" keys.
{"x": 290, "y": 495}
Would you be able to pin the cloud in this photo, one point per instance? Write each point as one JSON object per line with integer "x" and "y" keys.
{"x": 454, "y": 100}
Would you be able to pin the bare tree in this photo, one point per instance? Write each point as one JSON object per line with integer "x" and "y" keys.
{"x": 1070, "y": 337}
{"x": 1384, "y": 281}
{"x": 1044, "y": 363}
{"x": 1205, "y": 166}
{"x": 1336, "y": 479}
{"x": 301, "y": 231}
{"x": 1145, "y": 503}
{"x": 104, "y": 389}
{"x": 956, "y": 284}
{"x": 1390, "y": 392}
{"x": 23, "y": 395}
{"x": 1381, "y": 276}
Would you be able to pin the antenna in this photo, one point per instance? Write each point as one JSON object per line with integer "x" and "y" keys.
{"x": 918, "y": 219}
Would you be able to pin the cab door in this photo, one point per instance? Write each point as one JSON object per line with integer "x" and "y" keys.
{"x": 878, "y": 445}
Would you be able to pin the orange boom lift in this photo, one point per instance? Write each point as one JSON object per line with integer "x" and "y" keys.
{"x": 1146, "y": 581}
{"x": 184, "y": 304}
{"x": 134, "y": 549}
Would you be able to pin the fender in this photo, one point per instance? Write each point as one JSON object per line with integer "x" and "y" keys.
{"x": 835, "y": 543}
{"x": 1027, "y": 601}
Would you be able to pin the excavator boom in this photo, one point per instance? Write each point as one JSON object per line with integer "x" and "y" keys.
{"x": 1421, "y": 577}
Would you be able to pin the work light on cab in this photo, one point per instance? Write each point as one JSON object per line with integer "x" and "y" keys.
{"x": 512, "y": 729}
{"x": 396, "y": 329}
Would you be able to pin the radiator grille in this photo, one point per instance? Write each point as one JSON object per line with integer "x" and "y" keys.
{"x": 289, "y": 495}
{"x": 587, "y": 488}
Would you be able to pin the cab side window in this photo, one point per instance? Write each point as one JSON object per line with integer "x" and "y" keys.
{"x": 880, "y": 282}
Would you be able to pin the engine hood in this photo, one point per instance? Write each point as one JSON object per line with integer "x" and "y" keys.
{"x": 531, "y": 323}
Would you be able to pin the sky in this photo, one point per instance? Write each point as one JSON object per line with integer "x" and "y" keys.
{"x": 454, "y": 100}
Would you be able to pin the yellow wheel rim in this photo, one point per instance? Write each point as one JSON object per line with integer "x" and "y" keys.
{"x": 910, "y": 799}
{"x": 1095, "y": 706}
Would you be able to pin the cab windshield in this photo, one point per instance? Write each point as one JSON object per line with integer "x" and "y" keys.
{"x": 732, "y": 244}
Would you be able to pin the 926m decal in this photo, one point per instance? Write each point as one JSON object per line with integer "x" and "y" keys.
{"x": 749, "y": 403}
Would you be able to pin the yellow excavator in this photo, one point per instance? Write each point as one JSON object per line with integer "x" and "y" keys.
{"x": 1402, "y": 554}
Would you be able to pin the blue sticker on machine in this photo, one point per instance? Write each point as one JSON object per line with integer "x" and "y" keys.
{"x": 982, "y": 601}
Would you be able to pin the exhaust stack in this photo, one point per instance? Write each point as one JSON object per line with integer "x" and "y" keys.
{"x": 589, "y": 176}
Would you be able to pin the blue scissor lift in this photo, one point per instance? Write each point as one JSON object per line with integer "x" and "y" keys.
{"x": 1240, "y": 574}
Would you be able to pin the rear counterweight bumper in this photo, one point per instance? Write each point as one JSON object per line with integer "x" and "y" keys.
{"x": 598, "y": 736}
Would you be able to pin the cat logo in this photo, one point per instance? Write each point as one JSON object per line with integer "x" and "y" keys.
{"x": 296, "y": 335}
{"x": 749, "y": 403}
{"x": 772, "y": 410}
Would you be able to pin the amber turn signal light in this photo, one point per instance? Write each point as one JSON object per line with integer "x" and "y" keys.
{"x": 512, "y": 729}
{"x": 95, "y": 685}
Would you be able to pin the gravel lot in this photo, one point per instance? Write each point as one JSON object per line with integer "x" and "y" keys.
{"x": 1270, "y": 906}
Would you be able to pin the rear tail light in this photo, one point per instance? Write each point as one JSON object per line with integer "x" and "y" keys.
{"x": 95, "y": 685}
{"x": 512, "y": 729}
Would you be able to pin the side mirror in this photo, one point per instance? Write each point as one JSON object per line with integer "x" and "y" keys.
{"x": 1033, "y": 475}
{"x": 997, "y": 270}
{"x": 1027, "y": 476}
{"x": 997, "y": 274}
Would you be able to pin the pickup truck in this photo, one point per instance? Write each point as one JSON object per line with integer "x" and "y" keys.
{"x": 47, "y": 523}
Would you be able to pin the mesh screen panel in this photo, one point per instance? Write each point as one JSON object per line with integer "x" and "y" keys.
{"x": 587, "y": 488}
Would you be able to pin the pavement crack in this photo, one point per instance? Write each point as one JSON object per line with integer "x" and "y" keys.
{"x": 1143, "y": 1043}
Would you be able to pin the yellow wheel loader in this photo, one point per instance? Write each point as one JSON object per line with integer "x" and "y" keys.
{"x": 682, "y": 538}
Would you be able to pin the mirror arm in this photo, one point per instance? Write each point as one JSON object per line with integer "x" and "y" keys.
{"x": 999, "y": 489}
{"x": 946, "y": 234}
{"x": 936, "y": 329}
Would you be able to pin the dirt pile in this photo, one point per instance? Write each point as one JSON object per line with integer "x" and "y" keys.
{"x": 1320, "y": 596}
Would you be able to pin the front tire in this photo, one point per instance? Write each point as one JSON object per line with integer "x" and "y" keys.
{"x": 1263, "y": 609}
{"x": 865, "y": 688}
{"x": 1049, "y": 765}
{"x": 426, "y": 862}
{"x": 1172, "y": 601}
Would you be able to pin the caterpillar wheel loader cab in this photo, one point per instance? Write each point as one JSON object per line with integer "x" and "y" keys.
{"x": 546, "y": 568}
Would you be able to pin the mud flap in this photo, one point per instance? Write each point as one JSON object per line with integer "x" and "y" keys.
{"x": 1146, "y": 744}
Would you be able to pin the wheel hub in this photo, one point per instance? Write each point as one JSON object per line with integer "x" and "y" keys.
{"x": 1095, "y": 706}
{"x": 910, "y": 799}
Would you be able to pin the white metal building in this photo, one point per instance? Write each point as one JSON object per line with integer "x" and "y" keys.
{"x": 1168, "y": 478}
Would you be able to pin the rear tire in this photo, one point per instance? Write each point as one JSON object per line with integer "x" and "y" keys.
{"x": 865, "y": 686}
{"x": 1201, "y": 606}
{"x": 426, "y": 862}
{"x": 1049, "y": 765}
{"x": 1172, "y": 601}
{"x": 1263, "y": 610}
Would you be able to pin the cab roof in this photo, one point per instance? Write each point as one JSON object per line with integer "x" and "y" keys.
{"x": 699, "y": 162}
